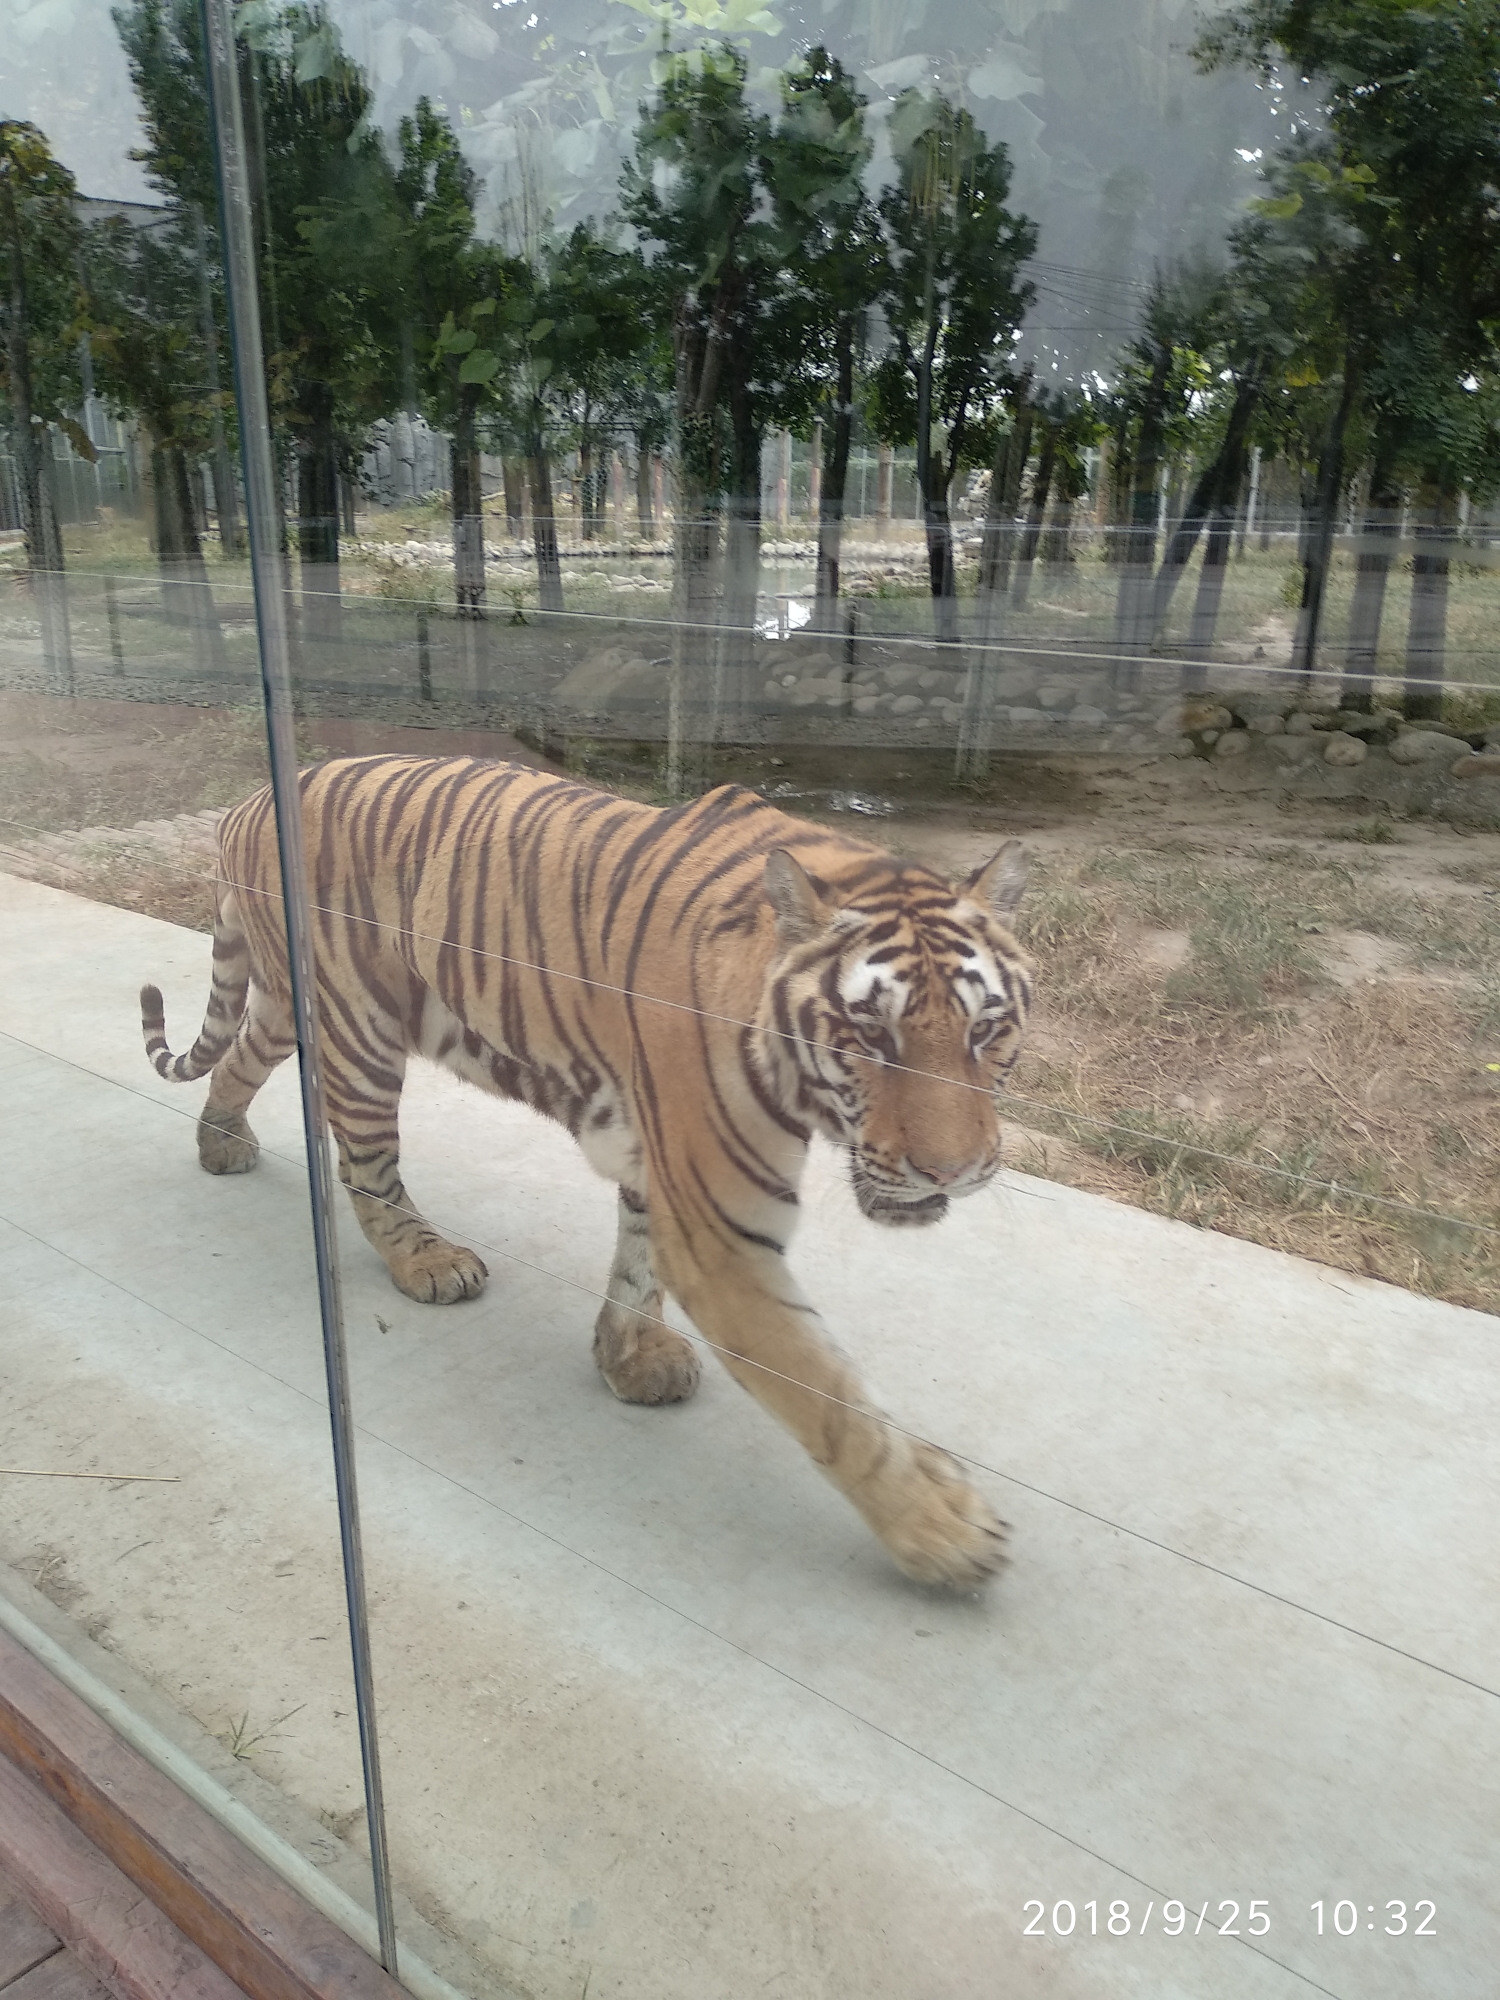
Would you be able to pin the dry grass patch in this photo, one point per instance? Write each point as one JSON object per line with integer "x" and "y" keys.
{"x": 1233, "y": 1084}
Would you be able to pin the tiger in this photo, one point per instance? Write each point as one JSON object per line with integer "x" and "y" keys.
{"x": 694, "y": 991}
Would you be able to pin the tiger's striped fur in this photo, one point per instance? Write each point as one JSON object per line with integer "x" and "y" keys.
{"x": 693, "y": 993}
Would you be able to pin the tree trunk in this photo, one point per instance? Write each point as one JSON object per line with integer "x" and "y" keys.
{"x": 187, "y": 597}
{"x": 1318, "y": 545}
{"x": 1382, "y": 525}
{"x": 468, "y": 507}
{"x": 513, "y": 477}
{"x": 1041, "y": 493}
{"x": 645, "y": 512}
{"x": 885, "y": 471}
{"x": 318, "y": 515}
{"x": 1427, "y": 626}
{"x": 1217, "y": 487}
{"x": 835, "y": 481}
{"x": 736, "y": 647}
{"x": 1211, "y": 582}
{"x": 997, "y": 546}
{"x": 549, "y": 593}
{"x": 586, "y": 477}
{"x": 1133, "y": 599}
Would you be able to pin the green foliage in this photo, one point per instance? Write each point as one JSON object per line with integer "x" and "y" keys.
{"x": 40, "y": 295}
{"x": 954, "y": 297}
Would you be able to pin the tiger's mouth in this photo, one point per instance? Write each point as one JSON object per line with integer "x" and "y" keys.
{"x": 892, "y": 1206}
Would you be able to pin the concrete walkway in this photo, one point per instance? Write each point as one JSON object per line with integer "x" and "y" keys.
{"x": 659, "y": 1720}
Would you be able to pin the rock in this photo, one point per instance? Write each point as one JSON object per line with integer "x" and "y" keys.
{"x": 1479, "y": 763}
{"x": 1255, "y": 703}
{"x": 1028, "y": 718}
{"x": 934, "y": 679}
{"x": 773, "y": 690}
{"x": 866, "y": 704}
{"x": 1014, "y": 684}
{"x": 906, "y": 704}
{"x": 1492, "y": 737}
{"x": 1266, "y": 722}
{"x": 611, "y": 679}
{"x": 898, "y": 679}
{"x": 1369, "y": 728}
{"x": 1424, "y": 746}
{"x": 1183, "y": 747}
{"x": 1299, "y": 723}
{"x": 1342, "y": 748}
{"x": 1233, "y": 743}
{"x": 1084, "y": 717}
{"x": 1055, "y": 694}
{"x": 1196, "y": 716}
{"x": 1290, "y": 749}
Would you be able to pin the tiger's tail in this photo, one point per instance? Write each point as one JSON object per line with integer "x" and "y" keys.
{"x": 226, "y": 1004}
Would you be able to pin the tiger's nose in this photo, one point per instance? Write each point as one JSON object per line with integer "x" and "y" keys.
{"x": 942, "y": 1173}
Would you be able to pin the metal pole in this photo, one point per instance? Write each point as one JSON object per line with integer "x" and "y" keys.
{"x": 275, "y": 665}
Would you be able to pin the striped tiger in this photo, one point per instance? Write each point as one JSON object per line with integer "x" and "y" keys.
{"x": 694, "y": 993}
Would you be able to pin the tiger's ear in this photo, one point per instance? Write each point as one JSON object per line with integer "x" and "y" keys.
{"x": 800, "y": 911}
{"x": 1000, "y": 881}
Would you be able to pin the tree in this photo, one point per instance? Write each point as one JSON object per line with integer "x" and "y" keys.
{"x": 1410, "y": 105}
{"x": 954, "y": 301}
{"x": 452, "y": 284}
{"x": 39, "y": 382}
{"x": 326, "y": 224}
{"x": 146, "y": 336}
{"x": 693, "y": 190}
{"x": 830, "y": 241}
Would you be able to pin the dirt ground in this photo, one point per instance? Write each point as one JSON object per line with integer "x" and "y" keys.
{"x": 1275, "y": 1017}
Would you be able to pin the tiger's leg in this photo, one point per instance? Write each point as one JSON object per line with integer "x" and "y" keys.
{"x": 917, "y": 1498}
{"x": 265, "y": 1038}
{"x": 642, "y": 1360}
{"x": 364, "y": 1070}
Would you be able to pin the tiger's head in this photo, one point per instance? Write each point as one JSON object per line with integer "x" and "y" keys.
{"x": 890, "y": 1022}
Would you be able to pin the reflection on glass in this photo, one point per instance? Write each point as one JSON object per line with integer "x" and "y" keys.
{"x": 1072, "y": 418}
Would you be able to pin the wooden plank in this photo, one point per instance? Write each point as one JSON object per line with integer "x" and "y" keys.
{"x": 60, "y": 1978}
{"x": 24, "y": 1939}
{"x": 101, "y": 1916}
{"x": 219, "y": 1895}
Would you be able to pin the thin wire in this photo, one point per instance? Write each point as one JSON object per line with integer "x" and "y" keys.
{"x": 728, "y": 1354}
{"x": 665, "y": 1604}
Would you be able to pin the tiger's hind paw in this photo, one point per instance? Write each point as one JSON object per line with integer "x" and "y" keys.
{"x": 439, "y": 1273}
{"x": 947, "y": 1532}
{"x": 226, "y": 1145}
{"x": 642, "y": 1360}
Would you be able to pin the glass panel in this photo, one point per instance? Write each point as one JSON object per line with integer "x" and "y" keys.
{"x": 169, "y": 1532}
{"x": 1059, "y": 421}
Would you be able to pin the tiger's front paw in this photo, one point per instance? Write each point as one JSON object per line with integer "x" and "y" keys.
{"x": 642, "y": 1360}
{"x": 439, "y": 1273}
{"x": 946, "y": 1532}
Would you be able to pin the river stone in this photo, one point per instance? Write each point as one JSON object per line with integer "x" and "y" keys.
{"x": 866, "y": 704}
{"x": 1479, "y": 764}
{"x": 1183, "y": 747}
{"x": 1299, "y": 723}
{"x": 906, "y": 704}
{"x": 1267, "y": 722}
{"x": 1056, "y": 694}
{"x": 1233, "y": 743}
{"x": 1028, "y": 718}
{"x": 1343, "y": 749}
{"x": 1423, "y": 746}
